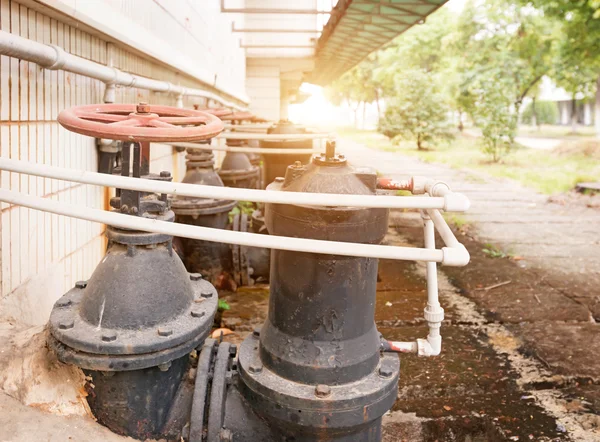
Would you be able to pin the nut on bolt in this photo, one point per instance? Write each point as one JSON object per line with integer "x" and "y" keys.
{"x": 385, "y": 370}
{"x": 142, "y": 108}
{"x": 109, "y": 337}
{"x": 66, "y": 325}
{"x": 81, "y": 284}
{"x": 196, "y": 313}
{"x": 255, "y": 368}
{"x": 322, "y": 390}
{"x": 195, "y": 276}
{"x": 162, "y": 331}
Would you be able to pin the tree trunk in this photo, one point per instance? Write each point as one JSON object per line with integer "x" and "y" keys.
{"x": 597, "y": 109}
{"x": 419, "y": 147}
{"x": 378, "y": 106}
{"x": 574, "y": 115}
{"x": 534, "y": 118}
{"x": 461, "y": 126}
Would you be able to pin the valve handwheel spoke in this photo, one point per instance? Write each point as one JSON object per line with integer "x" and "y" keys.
{"x": 141, "y": 123}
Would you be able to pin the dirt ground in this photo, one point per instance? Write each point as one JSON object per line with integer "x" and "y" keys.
{"x": 490, "y": 383}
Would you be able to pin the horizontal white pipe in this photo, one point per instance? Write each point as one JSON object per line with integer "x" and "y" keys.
{"x": 261, "y": 150}
{"x": 222, "y": 193}
{"x": 221, "y": 235}
{"x": 54, "y": 57}
{"x": 273, "y": 137}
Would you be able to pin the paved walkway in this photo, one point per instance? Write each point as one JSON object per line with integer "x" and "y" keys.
{"x": 516, "y": 219}
{"x": 539, "y": 143}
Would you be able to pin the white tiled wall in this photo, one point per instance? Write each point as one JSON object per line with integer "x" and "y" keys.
{"x": 43, "y": 255}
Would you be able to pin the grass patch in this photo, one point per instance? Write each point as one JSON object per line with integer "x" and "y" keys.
{"x": 456, "y": 219}
{"x": 548, "y": 172}
{"x": 223, "y": 305}
{"x": 494, "y": 252}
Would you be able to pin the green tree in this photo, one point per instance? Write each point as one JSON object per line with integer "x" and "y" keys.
{"x": 500, "y": 39}
{"x": 355, "y": 87}
{"x": 577, "y": 65}
{"x": 417, "y": 112}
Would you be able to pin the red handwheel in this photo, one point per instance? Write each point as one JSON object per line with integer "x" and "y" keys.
{"x": 140, "y": 123}
{"x": 235, "y": 116}
{"x": 216, "y": 111}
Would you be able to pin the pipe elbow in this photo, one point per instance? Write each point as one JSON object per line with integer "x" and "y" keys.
{"x": 457, "y": 256}
{"x": 456, "y": 202}
{"x": 432, "y": 346}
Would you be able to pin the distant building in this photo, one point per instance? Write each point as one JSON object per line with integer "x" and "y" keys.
{"x": 584, "y": 107}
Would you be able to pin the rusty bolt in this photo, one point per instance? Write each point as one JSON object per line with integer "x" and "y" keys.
{"x": 255, "y": 368}
{"x": 66, "y": 325}
{"x": 197, "y": 313}
{"x": 143, "y": 108}
{"x": 298, "y": 164}
{"x": 225, "y": 435}
{"x": 165, "y": 174}
{"x": 385, "y": 371}
{"x": 109, "y": 337}
{"x": 256, "y": 331}
{"x": 195, "y": 276}
{"x": 124, "y": 208}
{"x": 206, "y": 294}
{"x": 81, "y": 284}
{"x": 133, "y": 210}
{"x": 164, "y": 331}
{"x": 322, "y": 390}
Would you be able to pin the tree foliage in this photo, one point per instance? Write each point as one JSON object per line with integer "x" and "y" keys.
{"x": 356, "y": 86}
{"x": 576, "y": 65}
{"x": 417, "y": 112}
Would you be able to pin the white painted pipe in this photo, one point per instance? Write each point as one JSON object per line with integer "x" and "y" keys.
{"x": 444, "y": 230}
{"x": 261, "y": 150}
{"x": 221, "y": 235}
{"x": 54, "y": 57}
{"x": 434, "y": 313}
{"x": 224, "y": 193}
{"x": 274, "y": 137}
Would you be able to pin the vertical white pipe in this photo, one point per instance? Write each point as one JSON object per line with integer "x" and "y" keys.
{"x": 434, "y": 313}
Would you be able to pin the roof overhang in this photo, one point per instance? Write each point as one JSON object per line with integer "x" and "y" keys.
{"x": 356, "y": 28}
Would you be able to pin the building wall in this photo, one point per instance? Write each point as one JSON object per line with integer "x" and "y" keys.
{"x": 275, "y": 58}
{"x": 43, "y": 255}
{"x": 263, "y": 84}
